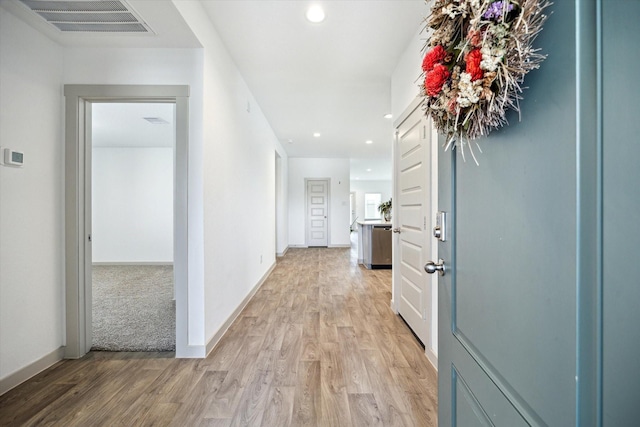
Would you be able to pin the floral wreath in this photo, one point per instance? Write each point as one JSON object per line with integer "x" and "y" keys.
{"x": 475, "y": 63}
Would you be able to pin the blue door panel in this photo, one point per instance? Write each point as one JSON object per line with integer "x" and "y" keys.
{"x": 621, "y": 213}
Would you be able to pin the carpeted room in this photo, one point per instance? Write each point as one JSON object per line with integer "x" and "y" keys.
{"x": 132, "y": 227}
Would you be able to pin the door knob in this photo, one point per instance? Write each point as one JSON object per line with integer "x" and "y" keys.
{"x": 396, "y": 230}
{"x": 431, "y": 267}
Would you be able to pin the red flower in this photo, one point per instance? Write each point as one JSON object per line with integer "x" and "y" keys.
{"x": 473, "y": 60}
{"x": 474, "y": 37}
{"x": 435, "y": 79}
{"x": 432, "y": 57}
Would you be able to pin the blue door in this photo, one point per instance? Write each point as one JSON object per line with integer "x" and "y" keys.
{"x": 538, "y": 306}
{"x": 620, "y": 290}
{"x": 508, "y": 302}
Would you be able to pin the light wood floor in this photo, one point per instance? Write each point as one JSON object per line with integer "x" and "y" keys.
{"x": 317, "y": 346}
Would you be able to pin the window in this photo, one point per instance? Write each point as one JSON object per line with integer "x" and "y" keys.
{"x": 371, "y": 203}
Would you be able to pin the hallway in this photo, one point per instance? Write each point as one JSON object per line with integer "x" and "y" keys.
{"x": 317, "y": 345}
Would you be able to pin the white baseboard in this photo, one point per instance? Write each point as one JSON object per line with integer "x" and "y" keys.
{"x": 31, "y": 370}
{"x": 298, "y": 246}
{"x": 393, "y": 307}
{"x": 432, "y": 358}
{"x": 340, "y": 246}
{"x": 134, "y": 263}
{"x": 191, "y": 352}
{"x": 225, "y": 326}
{"x": 283, "y": 252}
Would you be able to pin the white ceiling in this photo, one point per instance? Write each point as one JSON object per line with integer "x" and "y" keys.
{"x": 171, "y": 31}
{"x": 124, "y": 125}
{"x": 333, "y": 77}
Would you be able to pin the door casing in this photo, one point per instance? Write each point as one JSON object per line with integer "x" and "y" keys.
{"x": 328, "y": 217}
{"x": 78, "y": 99}
{"x": 431, "y": 347}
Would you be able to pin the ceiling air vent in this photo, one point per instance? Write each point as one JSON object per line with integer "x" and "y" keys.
{"x": 156, "y": 120}
{"x": 103, "y": 16}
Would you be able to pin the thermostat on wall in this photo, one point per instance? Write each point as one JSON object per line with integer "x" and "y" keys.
{"x": 13, "y": 158}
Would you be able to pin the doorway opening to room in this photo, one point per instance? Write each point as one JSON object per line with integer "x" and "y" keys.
{"x": 132, "y": 175}
{"x": 80, "y": 101}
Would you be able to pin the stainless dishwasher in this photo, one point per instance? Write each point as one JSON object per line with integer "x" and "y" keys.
{"x": 381, "y": 246}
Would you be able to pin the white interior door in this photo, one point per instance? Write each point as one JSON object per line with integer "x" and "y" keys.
{"x": 413, "y": 287}
{"x": 317, "y": 212}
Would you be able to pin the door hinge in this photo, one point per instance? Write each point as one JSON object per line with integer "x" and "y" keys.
{"x": 425, "y": 223}
{"x": 89, "y": 237}
{"x": 424, "y": 313}
{"x": 424, "y": 132}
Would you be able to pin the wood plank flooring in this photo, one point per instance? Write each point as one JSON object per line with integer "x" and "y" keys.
{"x": 318, "y": 345}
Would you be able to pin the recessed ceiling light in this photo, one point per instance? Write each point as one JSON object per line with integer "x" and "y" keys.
{"x": 315, "y": 14}
{"x": 368, "y": 142}
{"x": 388, "y": 116}
{"x": 316, "y": 134}
{"x": 368, "y": 170}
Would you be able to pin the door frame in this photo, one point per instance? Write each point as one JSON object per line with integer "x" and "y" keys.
{"x": 78, "y": 99}
{"x": 306, "y": 209}
{"x": 431, "y": 347}
{"x": 353, "y": 208}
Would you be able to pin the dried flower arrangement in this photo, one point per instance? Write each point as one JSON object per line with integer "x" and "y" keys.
{"x": 475, "y": 63}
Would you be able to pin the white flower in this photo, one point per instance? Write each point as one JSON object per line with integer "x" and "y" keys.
{"x": 491, "y": 57}
{"x": 468, "y": 92}
{"x": 449, "y": 10}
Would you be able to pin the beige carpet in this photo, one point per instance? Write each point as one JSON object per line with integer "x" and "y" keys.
{"x": 133, "y": 308}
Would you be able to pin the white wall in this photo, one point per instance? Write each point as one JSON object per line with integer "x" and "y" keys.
{"x": 404, "y": 83}
{"x": 239, "y": 176}
{"x": 132, "y": 200}
{"x": 31, "y": 197}
{"x": 163, "y": 67}
{"x": 232, "y": 185}
{"x": 338, "y": 171}
{"x": 282, "y": 206}
{"x": 360, "y": 187}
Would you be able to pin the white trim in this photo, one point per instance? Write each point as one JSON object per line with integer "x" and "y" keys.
{"x": 340, "y": 246}
{"x": 417, "y": 102}
{"x": 78, "y": 99}
{"x": 298, "y": 246}
{"x": 393, "y": 306}
{"x": 281, "y": 254}
{"x": 432, "y": 349}
{"x": 432, "y": 343}
{"x": 13, "y": 380}
{"x": 306, "y": 209}
{"x": 225, "y": 326}
{"x": 115, "y": 263}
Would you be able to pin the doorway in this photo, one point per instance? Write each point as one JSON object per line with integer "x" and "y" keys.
{"x": 415, "y": 292}
{"x": 132, "y": 176}
{"x": 352, "y": 209}
{"x": 78, "y": 244}
{"x": 317, "y": 212}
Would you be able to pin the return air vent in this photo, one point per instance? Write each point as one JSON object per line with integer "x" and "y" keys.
{"x": 111, "y": 16}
